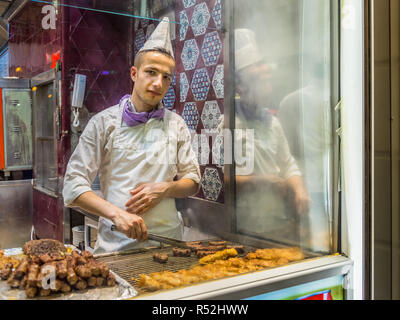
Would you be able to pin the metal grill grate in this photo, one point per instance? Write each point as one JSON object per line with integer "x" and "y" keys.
{"x": 130, "y": 266}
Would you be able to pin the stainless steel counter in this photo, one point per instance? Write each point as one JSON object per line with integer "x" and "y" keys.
{"x": 16, "y": 212}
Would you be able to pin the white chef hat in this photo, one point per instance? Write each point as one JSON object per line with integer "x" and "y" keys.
{"x": 160, "y": 38}
{"x": 246, "y": 49}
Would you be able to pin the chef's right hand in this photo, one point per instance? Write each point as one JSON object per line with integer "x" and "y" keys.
{"x": 131, "y": 225}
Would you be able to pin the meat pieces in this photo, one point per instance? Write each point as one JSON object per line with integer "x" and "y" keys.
{"x": 239, "y": 248}
{"x": 33, "y": 273}
{"x": 5, "y": 272}
{"x": 220, "y": 255}
{"x": 38, "y": 247}
{"x": 22, "y": 269}
{"x": 160, "y": 257}
{"x": 217, "y": 243}
{"x": 179, "y": 252}
{"x": 83, "y": 271}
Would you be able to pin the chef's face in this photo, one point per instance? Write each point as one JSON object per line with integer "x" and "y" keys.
{"x": 152, "y": 78}
{"x": 255, "y": 81}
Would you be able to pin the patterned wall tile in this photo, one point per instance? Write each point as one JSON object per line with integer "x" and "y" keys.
{"x": 211, "y": 115}
{"x": 184, "y": 25}
{"x": 217, "y": 15}
{"x": 218, "y": 81}
{"x": 140, "y": 39}
{"x": 190, "y": 54}
{"x": 211, "y": 184}
{"x": 188, "y": 3}
{"x": 200, "y": 19}
{"x": 191, "y": 115}
{"x": 184, "y": 86}
{"x": 218, "y": 151}
{"x": 211, "y": 48}
{"x": 201, "y": 147}
{"x": 169, "y": 99}
{"x": 200, "y": 84}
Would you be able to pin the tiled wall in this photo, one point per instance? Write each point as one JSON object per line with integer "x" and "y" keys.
{"x": 200, "y": 78}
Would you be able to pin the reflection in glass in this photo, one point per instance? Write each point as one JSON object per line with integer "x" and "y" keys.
{"x": 282, "y": 86}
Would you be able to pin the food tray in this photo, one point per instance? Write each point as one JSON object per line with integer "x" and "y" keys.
{"x": 123, "y": 290}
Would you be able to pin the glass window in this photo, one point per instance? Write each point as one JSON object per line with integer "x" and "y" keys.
{"x": 283, "y": 107}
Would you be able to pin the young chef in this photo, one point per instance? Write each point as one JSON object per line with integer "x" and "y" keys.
{"x": 137, "y": 148}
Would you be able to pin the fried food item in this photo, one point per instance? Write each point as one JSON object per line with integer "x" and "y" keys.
{"x": 61, "y": 269}
{"x": 217, "y": 266}
{"x": 110, "y": 280}
{"x": 22, "y": 269}
{"x": 38, "y": 247}
{"x": 6, "y": 260}
{"x": 92, "y": 281}
{"x": 65, "y": 287}
{"x": 87, "y": 254}
{"x": 220, "y": 255}
{"x": 179, "y": 252}
{"x": 6, "y": 271}
{"x": 160, "y": 257}
{"x": 31, "y": 292}
{"x": 238, "y": 247}
{"x": 81, "y": 284}
{"x": 291, "y": 254}
{"x": 44, "y": 292}
{"x": 83, "y": 271}
{"x": 99, "y": 281}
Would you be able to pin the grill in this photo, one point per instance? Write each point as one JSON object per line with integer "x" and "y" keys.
{"x": 130, "y": 265}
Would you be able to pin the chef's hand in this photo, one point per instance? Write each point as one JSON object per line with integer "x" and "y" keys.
{"x": 301, "y": 202}
{"x": 146, "y": 196}
{"x": 131, "y": 225}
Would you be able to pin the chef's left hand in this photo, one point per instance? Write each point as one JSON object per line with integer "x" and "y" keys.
{"x": 301, "y": 202}
{"x": 146, "y": 196}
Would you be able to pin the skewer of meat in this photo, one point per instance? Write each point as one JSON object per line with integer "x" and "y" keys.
{"x": 72, "y": 278}
{"x": 62, "y": 270}
{"x": 5, "y": 273}
{"x": 99, "y": 281}
{"x": 12, "y": 281}
{"x": 79, "y": 259}
{"x": 65, "y": 287}
{"x": 31, "y": 292}
{"x": 83, "y": 271}
{"x": 110, "y": 280}
{"x": 33, "y": 273}
{"x": 22, "y": 269}
{"x": 81, "y": 284}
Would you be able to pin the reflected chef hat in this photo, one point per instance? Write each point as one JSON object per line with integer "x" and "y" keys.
{"x": 160, "y": 38}
{"x": 246, "y": 49}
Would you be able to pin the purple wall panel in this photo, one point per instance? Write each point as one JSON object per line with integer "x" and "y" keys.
{"x": 31, "y": 47}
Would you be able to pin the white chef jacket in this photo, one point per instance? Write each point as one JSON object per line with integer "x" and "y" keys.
{"x": 124, "y": 156}
{"x": 262, "y": 211}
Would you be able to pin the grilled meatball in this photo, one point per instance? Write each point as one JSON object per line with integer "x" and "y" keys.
{"x": 81, "y": 284}
{"x": 179, "y": 252}
{"x": 160, "y": 257}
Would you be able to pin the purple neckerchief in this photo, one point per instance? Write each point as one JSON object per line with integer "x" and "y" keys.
{"x": 133, "y": 119}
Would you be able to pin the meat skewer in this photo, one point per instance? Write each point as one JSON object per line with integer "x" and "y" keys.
{"x": 179, "y": 252}
{"x": 33, "y": 273}
{"x": 22, "y": 269}
{"x": 5, "y": 273}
